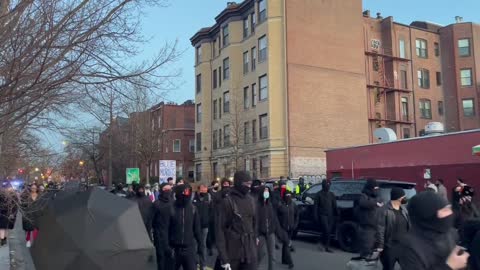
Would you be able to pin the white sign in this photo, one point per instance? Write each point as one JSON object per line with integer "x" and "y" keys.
{"x": 168, "y": 168}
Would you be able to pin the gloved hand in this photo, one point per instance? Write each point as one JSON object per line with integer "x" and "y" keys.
{"x": 226, "y": 266}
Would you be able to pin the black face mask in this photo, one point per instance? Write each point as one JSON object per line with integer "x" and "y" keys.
{"x": 182, "y": 200}
{"x": 203, "y": 195}
{"x": 288, "y": 199}
{"x": 243, "y": 189}
{"x": 166, "y": 195}
{"x": 404, "y": 201}
{"x": 216, "y": 188}
{"x": 140, "y": 194}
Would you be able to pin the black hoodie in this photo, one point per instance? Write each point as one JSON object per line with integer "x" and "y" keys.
{"x": 326, "y": 203}
{"x": 366, "y": 211}
{"x": 163, "y": 211}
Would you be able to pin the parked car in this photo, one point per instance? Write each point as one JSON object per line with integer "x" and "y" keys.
{"x": 347, "y": 193}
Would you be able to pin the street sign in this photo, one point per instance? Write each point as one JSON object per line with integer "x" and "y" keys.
{"x": 133, "y": 175}
{"x": 168, "y": 168}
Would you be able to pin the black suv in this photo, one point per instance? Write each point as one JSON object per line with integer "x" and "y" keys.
{"x": 347, "y": 193}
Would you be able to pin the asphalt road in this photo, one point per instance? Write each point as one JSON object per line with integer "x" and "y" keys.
{"x": 308, "y": 257}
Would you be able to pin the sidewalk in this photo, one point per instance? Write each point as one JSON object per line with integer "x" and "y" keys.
{"x": 4, "y": 257}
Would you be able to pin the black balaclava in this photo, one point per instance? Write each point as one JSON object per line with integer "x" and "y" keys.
{"x": 164, "y": 195}
{"x": 369, "y": 188}
{"x": 183, "y": 195}
{"x": 288, "y": 197}
{"x": 257, "y": 187}
{"x": 423, "y": 209}
{"x": 140, "y": 191}
{"x": 239, "y": 179}
{"x": 326, "y": 186}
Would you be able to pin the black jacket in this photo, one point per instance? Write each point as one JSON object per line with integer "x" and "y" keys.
{"x": 235, "y": 228}
{"x": 424, "y": 250}
{"x": 145, "y": 206}
{"x": 204, "y": 207}
{"x": 30, "y": 212}
{"x": 366, "y": 211}
{"x": 386, "y": 222}
{"x": 8, "y": 209}
{"x": 288, "y": 216}
{"x": 267, "y": 221}
{"x": 276, "y": 198}
{"x": 185, "y": 227}
{"x": 163, "y": 211}
{"x": 325, "y": 204}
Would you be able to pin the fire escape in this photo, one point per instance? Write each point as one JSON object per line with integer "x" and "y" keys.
{"x": 383, "y": 88}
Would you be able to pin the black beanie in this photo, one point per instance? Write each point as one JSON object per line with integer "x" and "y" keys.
{"x": 423, "y": 208}
{"x": 371, "y": 184}
{"x": 162, "y": 186}
{"x": 396, "y": 193}
{"x": 241, "y": 177}
{"x": 256, "y": 183}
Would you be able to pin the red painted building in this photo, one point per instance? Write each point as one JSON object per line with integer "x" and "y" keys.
{"x": 439, "y": 157}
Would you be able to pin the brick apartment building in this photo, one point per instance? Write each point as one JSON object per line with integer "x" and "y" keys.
{"x": 280, "y": 82}
{"x": 164, "y": 132}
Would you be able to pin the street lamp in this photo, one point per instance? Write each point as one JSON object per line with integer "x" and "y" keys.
{"x": 81, "y": 162}
{"x": 37, "y": 169}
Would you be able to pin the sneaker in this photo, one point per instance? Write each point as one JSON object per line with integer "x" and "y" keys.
{"x": 3, "y": 242}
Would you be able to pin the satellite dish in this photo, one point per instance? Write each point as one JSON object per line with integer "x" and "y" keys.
{"x": 385, "y": 135}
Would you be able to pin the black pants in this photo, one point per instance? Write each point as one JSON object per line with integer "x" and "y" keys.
{"x": 164, "y": 259}
{"x": 185, "y": 258}
{"x": 237, "y": 265}
{"x": 286, "y": 254}
{"x": 367, "y": 236}
{"x": 266, "y": 242}
{"x": 326, "y": 227}
{"x": 389, "y": 257}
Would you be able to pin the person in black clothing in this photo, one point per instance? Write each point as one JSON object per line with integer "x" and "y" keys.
{"x": 218, "y": 199}
{"x": 185, "y": 229}
{"x": 470, "y": 239}
{"x": 119, "y": 190}
{"x": 325, "y": 213}
{"x": 203, "y": 202}
{"x": 235, "y": 227}
{"x": 256, "y": 189}
{"x": 163, "y": 211}
{"x": 431, "y": 242}
{"x": 394, "y": 223}
{"x": 366, "y": 213}
{"x": 267, "y": 227}
{"x": 288, "y": 217}
{"x": 145, "y": 206}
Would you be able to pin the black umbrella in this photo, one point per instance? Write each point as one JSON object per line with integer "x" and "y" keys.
{"x": 91, "y": 230}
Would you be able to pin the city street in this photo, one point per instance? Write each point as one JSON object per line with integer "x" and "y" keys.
{"x": 308, "y": 257}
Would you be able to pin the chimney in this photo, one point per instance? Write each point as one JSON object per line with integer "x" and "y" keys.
{"x": 458, "y": 19}
{"x": 366, "y": 13}
{"x": 379, "y": 16}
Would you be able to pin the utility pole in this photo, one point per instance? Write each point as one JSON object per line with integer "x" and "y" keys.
{"x": 110, "y": 142}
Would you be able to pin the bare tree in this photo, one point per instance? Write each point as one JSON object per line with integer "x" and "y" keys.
{"x": 55, "y": 52}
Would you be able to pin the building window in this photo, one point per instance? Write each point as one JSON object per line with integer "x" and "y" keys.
{"x": 401, "y": 47}
{"x": 198, "y": 172}
{"x": 405, "y": 109}
{"x": 215, "y": 170}
{"x": 226, "y": 36}
{"x": 226, "y": 68}
{"x": 214, "y": 48}
{"x": 254, "y": 95}
{"x": 406, "y": 133}
{"x": 423, "y": 78}
{"x": 262, "y": 10}
{"x": 226, "y": 102}
{"x": 263, "y": 120}
{"x": 466, "y": 77}
{"x": 464, "y": 47}
{"x": 199, "y": 112}
{"x": 254, "y": 168}
{"x": 422, "y": 50}
{"x": 246, "y": 128}
{"x": 214, "y": 109}
{"x": 215, "y": 78}
{"x": 199, "y": 142}
{"x": 226, "y": 135}
{"x": 214, "y": 139}
{"x": 246, "y": 100}
{"x": 177, "y": 146}
{"x": 468, "y": 107}
{"x": 254, "y": 21}
{"x": 403, "y": 79}
{"x": 220, "y": 138}
{"x": 437, "y": 49}
{"x": 198, "y": 55}
{"x": 440, "y": 108}
{"x": 246, "y": 62}
{"x": 264, "y": 166}
{"x": 263, "y": 85}
{"x": 439, "y": 78}
{"x": 245, "y": 27}
{"x": 254, "y": 131}
{"x": 191, "y": 146}
{"x": 262, "y": 49}
{"x": 254, "y": 58}
{"x": 219, "y": 76}
{"x": 220, "y": 108}
{"x": 198, "y": 82}
{"x": 425, "y": 109}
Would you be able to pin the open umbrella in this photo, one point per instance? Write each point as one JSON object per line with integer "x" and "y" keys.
{"x": 476, "y": 150}
{"x": 91, "y": 230}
